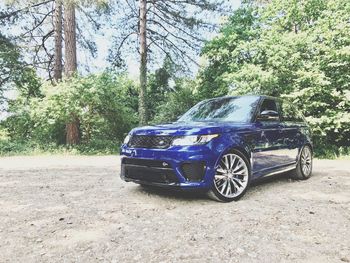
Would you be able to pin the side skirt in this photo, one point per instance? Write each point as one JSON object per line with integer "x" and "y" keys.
{"x": 274, "y": 172}
{"x": 285, "y": 169}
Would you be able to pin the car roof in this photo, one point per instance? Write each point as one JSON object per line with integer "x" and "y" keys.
{"x": 256, "y": 96}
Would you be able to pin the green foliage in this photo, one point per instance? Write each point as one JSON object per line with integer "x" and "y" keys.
{"x": 160, "y": 86}
{"x": 178, "y": 102}
{"x": 103, "y": 104}
{"x": 15, "y": 75}
{"x": 223, "y": 53}
{"x": 298, "y": 50}
{"x": 97, "y": 100}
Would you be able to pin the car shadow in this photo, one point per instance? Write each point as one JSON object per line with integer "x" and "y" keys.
{"x": 200, "y": 195}
{"x": 184, "y": 195}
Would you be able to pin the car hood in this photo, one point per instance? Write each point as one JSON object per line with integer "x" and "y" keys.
{"x": 193, "y": 128}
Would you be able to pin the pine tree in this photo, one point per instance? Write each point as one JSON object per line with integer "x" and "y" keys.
{"x": 174, "y": 28}
{"x": 70, "y": 67}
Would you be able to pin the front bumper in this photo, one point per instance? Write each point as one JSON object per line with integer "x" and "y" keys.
{"x": 185, "y": 167}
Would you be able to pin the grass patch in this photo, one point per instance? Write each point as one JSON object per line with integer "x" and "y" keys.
{"x": 13, "y": 148}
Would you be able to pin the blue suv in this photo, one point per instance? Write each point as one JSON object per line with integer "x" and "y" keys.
{"x": 220, "y": 145}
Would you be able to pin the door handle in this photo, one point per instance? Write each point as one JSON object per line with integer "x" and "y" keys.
{"x": 280, "y": 128}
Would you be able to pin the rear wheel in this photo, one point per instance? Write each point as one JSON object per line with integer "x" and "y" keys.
{"x": 303, "y": 170}
{"x": 232, "y": 177}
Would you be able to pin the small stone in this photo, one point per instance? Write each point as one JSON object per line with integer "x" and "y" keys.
{"x": 240, "y": 251}
{"x": 39, "y": 240}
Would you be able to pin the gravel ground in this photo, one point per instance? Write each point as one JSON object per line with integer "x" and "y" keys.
{"x": 76, "y": 209}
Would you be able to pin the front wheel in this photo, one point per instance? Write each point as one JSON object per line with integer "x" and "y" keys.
{"x": 303, "y": 170}
{"x": 232, "y": 177}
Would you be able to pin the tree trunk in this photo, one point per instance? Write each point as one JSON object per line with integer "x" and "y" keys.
{"x": 58, "y": 41}
{"x": 70, "y": 67}
{"x": 143, "y": 62}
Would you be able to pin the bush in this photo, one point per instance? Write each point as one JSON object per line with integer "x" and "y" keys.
{"x": 177, "y": 103}
{"x": 102, "y": 103}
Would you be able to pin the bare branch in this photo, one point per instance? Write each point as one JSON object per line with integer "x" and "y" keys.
{"x": 5, "y": 16}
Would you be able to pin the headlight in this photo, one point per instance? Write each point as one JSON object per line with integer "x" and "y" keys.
{"x": 194, "y": 139}
{"x": 127, "y": 139}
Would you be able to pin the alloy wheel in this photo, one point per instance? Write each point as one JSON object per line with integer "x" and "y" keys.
{"x": 306, "y": 161}
{"x": 231, "y": 176}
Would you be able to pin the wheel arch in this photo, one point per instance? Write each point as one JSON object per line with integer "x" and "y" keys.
{"x": 310, "y": 145}
{"x": 242, "y": 149}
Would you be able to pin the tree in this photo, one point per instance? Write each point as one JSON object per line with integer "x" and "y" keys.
{"x": 160, "y": 84}
{"x": 70, "y": 67}
{"x": 170, "y": 27}
{"x": 38, "y": 25}
{"x": 99, "y": 101}
{"x": 293, "y": 49}
{"x": 223, "y": 54}
{"x": 143, "y": 62}
{"x": 58, "y": 67}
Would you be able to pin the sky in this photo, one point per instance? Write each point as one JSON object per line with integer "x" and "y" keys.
{"x": 103, "y": 42}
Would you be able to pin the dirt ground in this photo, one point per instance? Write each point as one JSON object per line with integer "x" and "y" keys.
{"x": 76, "y": 209}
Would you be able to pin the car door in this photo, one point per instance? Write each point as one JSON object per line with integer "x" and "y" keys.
{"x": 292, "y": 122}
{"x": 268, "y": 150}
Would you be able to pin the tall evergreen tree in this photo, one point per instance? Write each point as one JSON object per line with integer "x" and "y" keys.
{"x": 168, "y": 27}
{"x": 38, "y": 31}
{"x": 70, "y": 67}
{"x": 58, "y": 67}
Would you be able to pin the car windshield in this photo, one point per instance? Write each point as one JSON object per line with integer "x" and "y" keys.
{"x": 230, "y": 109}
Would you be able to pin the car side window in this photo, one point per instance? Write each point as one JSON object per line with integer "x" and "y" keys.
{"x": 290, "y": 113}
{"x": 268, "y": 105}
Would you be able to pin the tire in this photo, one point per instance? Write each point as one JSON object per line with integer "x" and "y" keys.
{"x": 303, "y": 170}
{"x": 232, "y": 177}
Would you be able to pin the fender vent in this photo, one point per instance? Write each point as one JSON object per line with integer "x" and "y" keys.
{"x": 193, "y": 171}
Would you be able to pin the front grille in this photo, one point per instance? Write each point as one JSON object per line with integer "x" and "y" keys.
{"x": 145, "y": 141}
{"x": 193, "y": 171}
{"x": 152, "y": 171}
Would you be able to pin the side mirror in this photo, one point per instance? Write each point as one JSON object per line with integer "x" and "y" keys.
{"x": 268, "y": 115}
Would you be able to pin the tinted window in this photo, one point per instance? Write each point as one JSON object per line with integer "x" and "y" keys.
{"x": 290, "y": 113}
{"x": 236, "y": 109}
{"x": 268, "y": 104}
